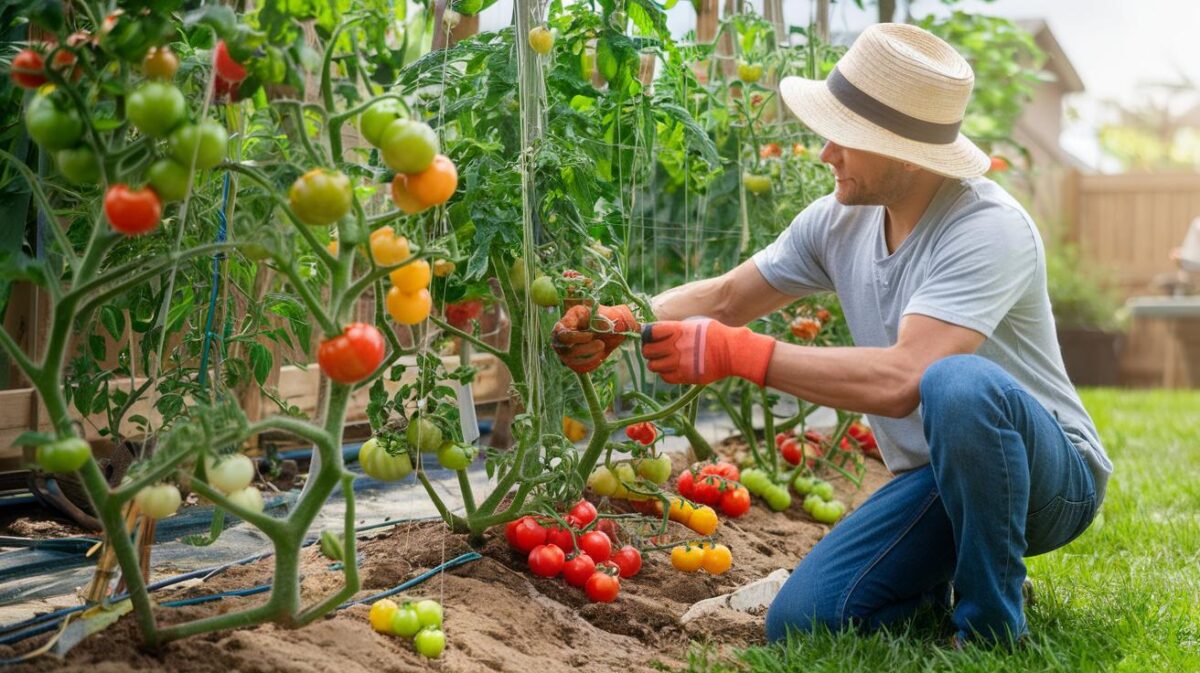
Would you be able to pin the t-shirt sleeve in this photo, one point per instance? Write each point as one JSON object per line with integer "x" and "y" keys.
{"x": 979, "y": 271}
{"x": 793, "y": 264}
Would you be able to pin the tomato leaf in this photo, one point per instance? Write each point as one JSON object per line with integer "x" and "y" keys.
{"x": 31, "y": 438}
{"x": 261, "y": 361}
{"x": 113, "y": 320}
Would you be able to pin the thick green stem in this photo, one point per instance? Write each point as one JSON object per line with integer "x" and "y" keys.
{"x": 349, "y": 561}
{"x": 673, "y": 408}
{"x": 769, "y": 430}
{"x": 456, "y": 523}
{"x": 476, "y": 342}
{"x": 468, "y": 494}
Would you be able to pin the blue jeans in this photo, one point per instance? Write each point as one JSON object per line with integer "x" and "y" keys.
{"x": 1003, "y": 483}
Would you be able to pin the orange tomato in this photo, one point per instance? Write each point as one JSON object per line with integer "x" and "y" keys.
{"x": 387, "y": 248}
{"x": 403, "y": 199}
{"x": 409, "y": 308}
{"x": 770, "y": 150}
{"x": 435, "y": 184}
{"x": 681, "y": 510}
{"x": 688, "y": 558}
{"x": 703, "y": 520}
{"x": 717, "y": 559}
{"x": 412, "y": 276}
{"x": 442, "y": 267}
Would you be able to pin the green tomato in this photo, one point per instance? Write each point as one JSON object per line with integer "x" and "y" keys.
{"x": 78, "y": 165}
{"x": 777, "y": 497}
{"x": 755, "y": 480}
{"x": 375, "y": 119}
{"x": 424, "y": 434}
{"x": 602, "y": 481}
{"x": 169, "y": 178}
{"x": 408, "y": 146}
{"x": 205, "y": 141}
{"x": 803, "y": 484}
{"x": 657, "y": 470}
{"x": 516, "y": 273}
{"x": 332, "y": 545}
{"x": 248, "y": 498}
{"x": 156, "y": 108}
{"x": 453, "y": 457}
{"x": 544, "y": 292}
{"x": 159, "y": 501}
{"x": 828, "y": 512}
{"x": 429, "y": 612}
{"x": 823, "y": 489}
{"x": 750, "y": 73}
{"x": 406, "y": 622}
{"x": 229, "y": 474}
{"x": 430, "y": 643}
{"x": 51, "y": 126}
{"x": 756, "y": 184}
{"x": 811, "y": 501}
{"x": 64, "y": 455}
{"x": 381, "y": 465}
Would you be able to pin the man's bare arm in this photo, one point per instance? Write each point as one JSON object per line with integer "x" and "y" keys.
{"x": 734, "y": 298}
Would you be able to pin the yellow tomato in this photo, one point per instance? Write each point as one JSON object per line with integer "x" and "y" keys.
{"x": 573, "y": 429}
{"x": 442, "y": 268}
{"x": 387, "y": 248}
{"x": 681, "y": 510}
{"x": 412, "y": 276}
{"x": 717, "y": 559}
{"x": 687, "y": 558}
{"x": 703, "y": 520}
{"x": 381, "y": 614}
{"x": 409, "y": 308}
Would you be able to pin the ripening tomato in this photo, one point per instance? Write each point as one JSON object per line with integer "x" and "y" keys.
{"x": 735, "y": 502}
{"x": 717, "y": 559}
{"x": 377, "y": 463}
{"x": 770, "y": 150}
{"x": 578, "y": 569}
{"x": 159, "y": 501}
{"x": 387, "y": 248}
{"x": 132, "y": 211}
{"x": 628, "y": 560}
{"x": 656, "y": 470}
{"x": 546, "y": 560}
{"x": 602, "y": 587}
{"x": 160, "y": 63}
{"x": 749, "y": 73}
{"x": 595, "y": 544}
{"x": 352, "y": 355}
{"x": 402, "y": 198}
{"x": 442, "y": 268}
{"x": 434, "y": 185}
{"x": 687, "y": 558}
{"x": 413, "y": 276}
{"x": 28, "y": 69}
{"x": 320, "y": 197}
{"x": 408, "y": 146}
{"x": 541, "y": 40}
{"x": 525, "y": 533}
{"x": 602, "y": 481}
{"x": 584, "y": 512}
{"x": 63, "y": 455}
{"x": 409, "y": 308}
{"x": 460, "y": 314}
{"x": 227, "y": 68}
{"x": 381, "y": 614}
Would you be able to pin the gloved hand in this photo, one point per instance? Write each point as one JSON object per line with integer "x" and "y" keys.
{"x": 584, "y": 347}
{"x": 702, "y": 350}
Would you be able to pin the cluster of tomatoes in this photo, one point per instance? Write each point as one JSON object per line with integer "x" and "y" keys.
{"x": 796, "y": 450}
{"x": 818, "y": 499}
{"x": 714, "y": 559}
{"x": 701, "y": 519}
{"x": 582, "y": 552}
{"x": 424, "y": 177}
{"x": 420, "y": 620}
{"x": 717, "y": 485}
{"x": 806, "y": 326}
{"x": 614, "y": 480}
{"x": 408, "y": 300}
{"x": 157, "y": 109}
{"x": 759, "y": 483}
{"x": 233, "y": 476}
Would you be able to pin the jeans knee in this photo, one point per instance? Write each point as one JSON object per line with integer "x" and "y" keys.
{"x": 954, "y": 379}
{"x": 801, "y": 612}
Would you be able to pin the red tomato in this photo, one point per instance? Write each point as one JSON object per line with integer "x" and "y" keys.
{"x": 584, "y": 512}
{"x": 628, "y": 560}
{"x": 578, "y": 569}
{"x": 561, "y": 538}
{"x": 546, "y": 560}
{"x": 735, "y": 502}
{"x": 608, "y": 527}
{"x": 707, "y": 489}
{"x": 685, "y": 484}
{"x": 602, "y": 588}
{"x": 526, "y": 533}
{"x": 227, "y": 68}
{"x": 812, "y": 452}
{"x": 790, "y": 450}
{"x": 770, "y": 150}
{"x": 999, "y": 165}
{"x": 132, "y": 211}
{"x": 352, "y": 355}
{"x": 642, "y": 433}
{"x": 28, "y": 69}
{"x": 462, "y": 313}
{"x": 595, "y": 544}
{"x": 722, "y": 469}
{"x": 780, "y": 437}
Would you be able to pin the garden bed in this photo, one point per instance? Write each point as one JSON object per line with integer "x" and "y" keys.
{"x": 498, "y": 615}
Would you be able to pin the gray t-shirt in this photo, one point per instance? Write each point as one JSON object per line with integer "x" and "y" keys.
{"x": 975, "y": 260}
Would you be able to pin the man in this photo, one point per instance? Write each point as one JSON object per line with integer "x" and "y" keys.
{"x": 942, "y": 279}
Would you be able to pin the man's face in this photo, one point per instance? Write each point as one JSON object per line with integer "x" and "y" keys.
{"x": 865, "y": 179}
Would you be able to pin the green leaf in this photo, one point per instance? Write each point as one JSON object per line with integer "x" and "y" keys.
{"x": 113, "y": 320}
{"x": 261, "y": 361}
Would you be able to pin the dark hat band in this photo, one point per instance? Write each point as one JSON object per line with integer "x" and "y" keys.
{"x": 887, "y": 117}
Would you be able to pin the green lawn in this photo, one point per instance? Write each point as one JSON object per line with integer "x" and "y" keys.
{"x": 1123, "y": 597}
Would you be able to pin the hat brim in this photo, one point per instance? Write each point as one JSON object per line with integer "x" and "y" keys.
{"x": 812, "y": 102}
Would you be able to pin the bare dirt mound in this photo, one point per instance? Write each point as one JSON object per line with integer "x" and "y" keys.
{"x": 499, "y": 617}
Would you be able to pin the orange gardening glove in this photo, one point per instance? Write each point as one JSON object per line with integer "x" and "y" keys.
{"x": 702, "y": 350}
{"x": 584, "y": 347}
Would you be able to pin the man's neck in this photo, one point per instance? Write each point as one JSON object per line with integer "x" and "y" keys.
{"x": 903, "y": 215}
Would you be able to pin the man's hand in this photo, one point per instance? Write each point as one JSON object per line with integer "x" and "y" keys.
{"x": 583, "y": 346}
{"x": 702, "y": 350}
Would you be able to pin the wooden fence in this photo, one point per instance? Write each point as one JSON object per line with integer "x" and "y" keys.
{"x": 1127, "y": 226}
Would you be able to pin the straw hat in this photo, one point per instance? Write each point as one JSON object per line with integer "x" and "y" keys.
{"x": 899, "y": 91}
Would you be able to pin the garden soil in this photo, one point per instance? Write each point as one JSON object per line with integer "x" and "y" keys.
{"x": 499, "y": 617}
